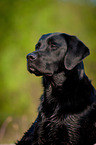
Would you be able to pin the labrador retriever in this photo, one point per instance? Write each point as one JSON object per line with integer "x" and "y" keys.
{"x": 67, "y": 113}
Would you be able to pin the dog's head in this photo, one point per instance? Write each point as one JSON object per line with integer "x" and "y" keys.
{"x": 54, "y": 52}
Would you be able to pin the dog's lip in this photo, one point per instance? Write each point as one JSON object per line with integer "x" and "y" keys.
{"x": 48, "y": 74}
{"x": 33, "y": 70}
{"x": 30, "y": 69}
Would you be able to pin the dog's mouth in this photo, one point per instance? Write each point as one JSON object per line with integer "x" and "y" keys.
{"x": 31, "y": 69}
{"x": 38, "y": 72}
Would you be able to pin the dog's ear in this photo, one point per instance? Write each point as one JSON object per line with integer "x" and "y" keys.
{"x": 76, "y": 51}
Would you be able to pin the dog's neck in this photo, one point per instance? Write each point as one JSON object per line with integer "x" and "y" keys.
{"x": 66, "y": 89}
{"x": 57, "y": 80}
{"x": 76, "y": 74}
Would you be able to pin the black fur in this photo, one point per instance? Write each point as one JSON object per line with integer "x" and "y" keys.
{"x": 67, "y": 113}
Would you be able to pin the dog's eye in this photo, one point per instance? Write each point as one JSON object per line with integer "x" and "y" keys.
{"x": 53, "y": 46}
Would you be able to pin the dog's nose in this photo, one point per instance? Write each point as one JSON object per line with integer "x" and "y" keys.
{"x": 31, "y": 56}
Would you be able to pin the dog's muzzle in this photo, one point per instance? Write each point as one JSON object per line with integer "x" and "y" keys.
{"x": 31, "y": 56}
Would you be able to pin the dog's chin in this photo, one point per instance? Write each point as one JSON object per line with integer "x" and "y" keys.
{"x": 38, "y": 73}
{"x": 33, "y": 71}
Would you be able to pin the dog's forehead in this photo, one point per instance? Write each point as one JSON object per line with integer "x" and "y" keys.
{"x": 45, "y": 36}
{"x": 52, "y": 36}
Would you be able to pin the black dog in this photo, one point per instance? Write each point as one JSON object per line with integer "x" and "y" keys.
{"x": 67, "y": 113}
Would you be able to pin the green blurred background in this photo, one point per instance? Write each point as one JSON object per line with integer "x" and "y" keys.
{"x": 22, "y": 22}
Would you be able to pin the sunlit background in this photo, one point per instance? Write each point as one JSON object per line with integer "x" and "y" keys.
{"x": 22, "y": 22}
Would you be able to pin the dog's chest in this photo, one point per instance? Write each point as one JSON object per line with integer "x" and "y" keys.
{"x": 72, "y": 124}
{"x": 62, "y": 130}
